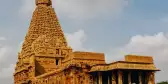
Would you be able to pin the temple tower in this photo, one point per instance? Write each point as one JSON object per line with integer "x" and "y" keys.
{"x": 44, "y": 40}
{"x": 44, "y": 22}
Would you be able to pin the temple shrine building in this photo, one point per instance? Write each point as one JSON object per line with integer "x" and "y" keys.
{"x": 46, "y": 58}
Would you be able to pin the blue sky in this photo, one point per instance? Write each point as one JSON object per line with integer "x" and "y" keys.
{"x": 110, "y": 26}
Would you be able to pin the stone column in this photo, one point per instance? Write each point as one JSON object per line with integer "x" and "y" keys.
{"x": 108, "y": 79}
{"x": 100, "y": 77}
{"x": 120, "y": 74}
{"x": 74, "y": 79}
{"x": 140, "y": 78}
{"x": 64, "y": 77}
{"x": 113, "y": 78}
{"x": 151, "y": 78}
{"x": 73, "y": 75}
{"x": 86, "y": 79}
{"x": 91, "y": 80}
{"x": 129, "y": 77}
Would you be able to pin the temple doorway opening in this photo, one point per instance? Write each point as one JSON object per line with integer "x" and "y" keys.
{"x": 144, "y": 78}
{"x": 95, "y": 78}
{"x": 125, "y": 77}
{"x": 134, "y": 77}
{"x": 106, "y": 78}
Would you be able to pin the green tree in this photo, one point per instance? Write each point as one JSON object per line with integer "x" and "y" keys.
{"x": 163, "y": 82}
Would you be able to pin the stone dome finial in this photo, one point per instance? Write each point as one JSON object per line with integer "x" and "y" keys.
{"x": 44, "y": 2}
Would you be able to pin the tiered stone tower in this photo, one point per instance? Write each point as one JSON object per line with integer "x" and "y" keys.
{"x": 46, "y": 58}
{"x": 45, "y": 39}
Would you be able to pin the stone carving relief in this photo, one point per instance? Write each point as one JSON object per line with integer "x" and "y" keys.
{"x": 52, "y": 46}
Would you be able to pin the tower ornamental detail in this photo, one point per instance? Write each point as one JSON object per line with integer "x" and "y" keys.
{"x": 47, "y": 2}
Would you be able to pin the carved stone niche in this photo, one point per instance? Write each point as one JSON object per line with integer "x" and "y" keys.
{"x": 48, "y": 45}
{"x": 43, "y": 45}
{"x": 57, "y": 52}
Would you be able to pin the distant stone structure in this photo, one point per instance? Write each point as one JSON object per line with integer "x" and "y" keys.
{"x": 46, "y": 58}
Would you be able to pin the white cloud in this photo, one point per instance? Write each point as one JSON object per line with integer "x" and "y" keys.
{"x": 81, "y": 9}
{"x": 156, "y": 46}
{"x": 164, "y": 19}
{"x": 6, "y": 68}
{"x": 7, "y": 72}
{"x": 89, "y": 8}
{"x": 27, "y": 7}
{"x": 3, "y": 52}
{"x": 76, "y": 39}
{"x": 2, "y": 38}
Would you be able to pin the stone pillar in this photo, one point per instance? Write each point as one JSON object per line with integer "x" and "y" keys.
{"x": 91, "y": 81}
{"x": 113, "y": 78}
{"x": 72, "y": 75}
{"x": 151, "y": 78}
{"x": 140, "y": 78}
{"x": 108, "y": 79}
{"x": 74, "y": 79}
{"x": 64, "y": 77}
{"x": 120, "y": 74}
{"x": 86, "y": 81}
{"x": 129, "y": 77}
{"x": 100, "y": 77}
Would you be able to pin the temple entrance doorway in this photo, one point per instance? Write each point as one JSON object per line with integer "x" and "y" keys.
{"x": 125, "y": 77}
{"x": 144, "y": 78}
{"x": 135, "y": 77}
{"x": 106, "y": 78}
{"x": 95, "y": 78}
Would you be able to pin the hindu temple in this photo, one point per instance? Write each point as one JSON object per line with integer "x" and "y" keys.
{"x": 46, "y": 58}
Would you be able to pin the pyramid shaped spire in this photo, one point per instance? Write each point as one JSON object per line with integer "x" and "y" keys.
{"x": 44, "y": 22}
